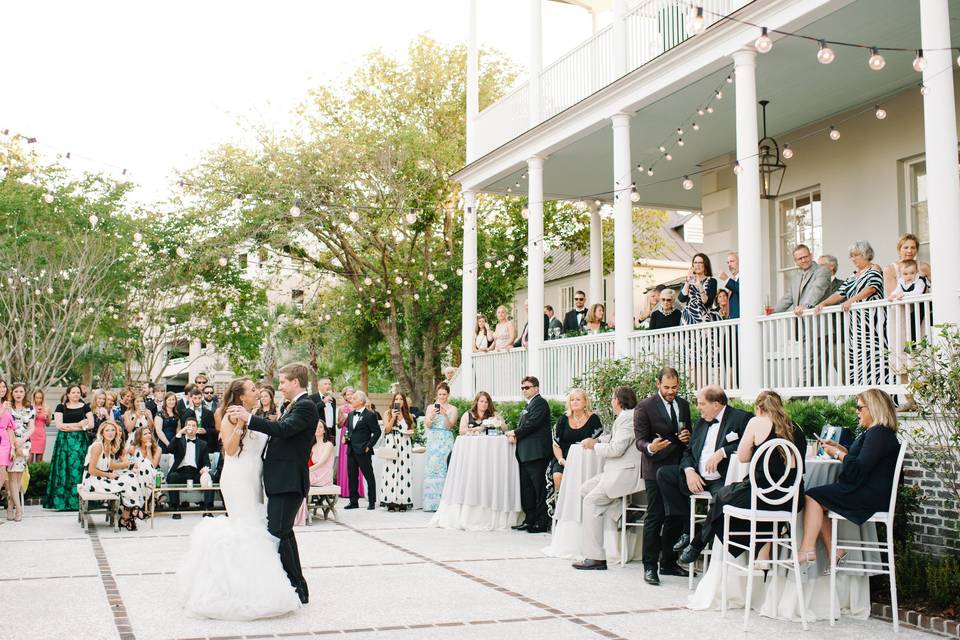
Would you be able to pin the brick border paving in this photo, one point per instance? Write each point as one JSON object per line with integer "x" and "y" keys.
{"x": 120, "y": 619}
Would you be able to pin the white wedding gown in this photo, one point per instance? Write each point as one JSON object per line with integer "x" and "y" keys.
{"x": 232, "y": 570}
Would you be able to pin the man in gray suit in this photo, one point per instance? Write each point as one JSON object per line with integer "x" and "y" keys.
{"x": 620, "y": 477}
{"x": 555, "y": 327}
{"x": 809, "y": 285}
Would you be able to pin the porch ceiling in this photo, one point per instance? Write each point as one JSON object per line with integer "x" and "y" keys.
{"x": 801, "y": 91}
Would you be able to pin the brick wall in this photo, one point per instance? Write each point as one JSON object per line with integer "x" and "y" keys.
{"x": 937, "y": 523}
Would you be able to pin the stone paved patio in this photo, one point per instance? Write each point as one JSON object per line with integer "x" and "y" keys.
{"x": 378, "y": 575}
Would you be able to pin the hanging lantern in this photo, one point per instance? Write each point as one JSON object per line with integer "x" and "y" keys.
{"x": 772, "y": 167}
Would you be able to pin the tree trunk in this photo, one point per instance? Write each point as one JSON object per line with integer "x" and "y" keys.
{"x": 86, "y": 376}
{"x": 365, "y": 375}
{"x": 106, "y": 376}
{"x": 314, "y": 379}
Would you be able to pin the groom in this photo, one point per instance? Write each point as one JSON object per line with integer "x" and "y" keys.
{"x": 285, "y": 465}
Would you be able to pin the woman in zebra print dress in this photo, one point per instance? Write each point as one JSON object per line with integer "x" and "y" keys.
{"x": 867, "y": 334}
{"x": 699, "y": 291}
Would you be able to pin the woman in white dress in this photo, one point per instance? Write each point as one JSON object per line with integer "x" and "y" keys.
{"x": 232, "y": 570}
{"x": 398, "y": 472}
{"x": 146, "y": 456}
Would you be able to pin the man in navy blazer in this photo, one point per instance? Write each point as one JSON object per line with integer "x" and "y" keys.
{"x": 733, "y": 283}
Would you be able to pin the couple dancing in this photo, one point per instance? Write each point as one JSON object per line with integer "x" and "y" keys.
{"x": 232, "y": 570}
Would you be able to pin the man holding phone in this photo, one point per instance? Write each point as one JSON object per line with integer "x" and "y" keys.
{"x": 661, "y": 424}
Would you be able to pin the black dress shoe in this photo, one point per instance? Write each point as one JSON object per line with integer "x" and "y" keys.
{"x": 539, "y": 529}
{"x": 521, "y": 527}
{"x": 208, "y": 515}
{"x": 352, "y": 506}
{"x": 175, "y": 516}
{"x": 590, "y": 565}
{"x": 650, "y": 577}
{"x": 302, "y": 593}
{"x": 682, "y": 543}
{"x": 689, "y": 555}
{"x": 371, "y": 507}
{"x": 673, "y": 570}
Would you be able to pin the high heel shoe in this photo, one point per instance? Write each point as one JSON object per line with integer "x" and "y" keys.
{"x": 761, "y": 566}
{"x": 841, "y": 560}
{"x": 806, "y": 560}
{"x": 18, "y": 516}
{"x": 10, "y": 513}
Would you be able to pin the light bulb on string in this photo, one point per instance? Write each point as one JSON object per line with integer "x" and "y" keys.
{"x": 517, "y": 184}
{"x": 695, "y": 126}
{"x": 880, "y": 112}
{"x": 679, "y": 131}
{"x": 679, "y": 142}
{"x": 662, "y": 149}
{"x": 295, "y": 209}
{"x": 137, "y": 237}
{"x": 787, "y": 151}
{"x": 876, "y": 61}
{"x": 825, "y": 54}
{"x": 354, "y": 216}
{"x": 737, "y": 168}
{"x": 763, "y": 44}
{"x": 834, "y": 133}
{"x": 640, "y": 168}
{"x": 650, "y": 171}
{"x": 668, "y": 157}
{"x": 924, "y": 89}
{"x": 411, "y": 217}
{"x": 687, "y": 183}
{"x": 222, "y": 261}
{"x": 525, "y": 212}
{"x": 729, "y": 79}
{"x": 48, "y": 198}
{"x": 919, "y": 63}
{"x": 700, "y": 111}
{"x": 634, "y": 194}
{"x": 597, "y": 203}
{"x": 718, "y": 94}
{"x": 93, "y": 219}
{"x": 709, "y": 109}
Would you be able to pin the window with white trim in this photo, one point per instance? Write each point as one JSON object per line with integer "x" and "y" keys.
{"x": 917, "y": 206}
{"x": 566, "y": 300}
{"x": 799, "y": 221}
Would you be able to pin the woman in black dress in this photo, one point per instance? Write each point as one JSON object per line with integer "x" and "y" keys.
{"x": 866, "y": 478}
{"x": 771, "y": 422}
{"x": 167, "y": 422}
{"x": 577, "y": 423}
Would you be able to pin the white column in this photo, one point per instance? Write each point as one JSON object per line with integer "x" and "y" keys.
{"x": 595, "y": 294}
{"x": 619, "y": 38}
{"x": 536, "y": 60}
{"x": 469, "y": 289}
{"x": 534, "y": 265}
{"x": 940, "y": 136}
{"x": 473, "y": 82}
{"x": 749, "y": 230}
{"x": 622, "y": 235}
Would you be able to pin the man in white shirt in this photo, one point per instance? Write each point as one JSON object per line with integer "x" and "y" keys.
{"x": 191, "y": 461}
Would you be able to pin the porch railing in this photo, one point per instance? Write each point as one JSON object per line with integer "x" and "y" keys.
{"x": 655, "y": 26}
{"x": 504, "y": 120}
{"x": 578, "y": 73}
{"x": 831, "y": 354}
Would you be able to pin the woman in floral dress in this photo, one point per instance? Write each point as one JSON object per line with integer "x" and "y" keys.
{"x": 440, "y": 418}
{"x": 23, "y": 416}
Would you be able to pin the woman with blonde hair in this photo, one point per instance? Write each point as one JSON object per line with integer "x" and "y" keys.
{"x": 106, "y": 469}
{"x": 505, "y": 333}
{"x": 866, "y": 477}
{"x": 577, "y": 423}
{"x": 596, "y": 319}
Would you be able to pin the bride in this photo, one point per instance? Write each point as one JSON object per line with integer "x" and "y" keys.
{"x": 232, "y": 570}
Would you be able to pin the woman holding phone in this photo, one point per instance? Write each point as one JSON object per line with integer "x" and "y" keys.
{"x": 398, "y": 428}
{"x": 440, "y": 419}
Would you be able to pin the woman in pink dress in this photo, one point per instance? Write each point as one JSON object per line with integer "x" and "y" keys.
{"x": 342, "y": 476}
{"x": 38, "y": 441}
{"x": 7, "y": 426}
{"x": 321, "y": 466}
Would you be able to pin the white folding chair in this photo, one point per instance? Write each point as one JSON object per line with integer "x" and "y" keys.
{"x": 694, "y": 519}
{"x": 874, "y": 567}
{"x": 625, "y": 509}
{"x": 791, "y": 497}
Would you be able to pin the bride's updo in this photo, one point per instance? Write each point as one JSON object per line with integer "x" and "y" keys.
{"x": 232, "y": 397}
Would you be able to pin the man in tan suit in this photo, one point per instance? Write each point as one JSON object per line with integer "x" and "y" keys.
{"x": 620, "y": 477}
{"x": 809, "y": 284}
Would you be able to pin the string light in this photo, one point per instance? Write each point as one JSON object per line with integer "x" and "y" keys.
{"x": 763, "y": 44}
{"x": 880, "y": 112}
{"x": 695, "y": 126}
{"x": 687, "y": 183}
{"x": 411, "y": 217}
{"x": 354, "y": 216}
{"x": 639, "y": 168}
{"x": 737, "y": 168}
{"x": 729, "y": 79}
{"x": 825, "y": 54}
{"x": 679, "y": 131}
{"x": 93, "y": 219}
{"x": 834, "y": 133}
{"x": 919, "y": 63}
{"x": 700, "y": 111}
{"x": 525, "y": 212}
{"x": 222, "y": 261}
{"x": 709, "y": 109}
{"x": 650, "y": 171}
{"x": 679, "y": 142}
{"x": 924, "y": 89}
{"x": 48, "y": 198}
{"x": 295, "y": 209}
{"x": 718, "y": 94}
{"x": 876, "y": 61}
{"x": 668, "y": 157}
{"x": 137, "y": 237}
{"x": 662, "y": 149}
{"x": 787, "y": 151}
{"x": 634, "y": 194}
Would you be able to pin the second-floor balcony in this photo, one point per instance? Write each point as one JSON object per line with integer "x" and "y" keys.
{"x": 834, "y": 353}
{"x": 647, "y": 30}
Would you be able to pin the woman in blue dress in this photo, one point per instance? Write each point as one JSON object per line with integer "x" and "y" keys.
{"x": 441, "y": 418}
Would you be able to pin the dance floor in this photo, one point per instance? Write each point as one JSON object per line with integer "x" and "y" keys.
{"x": 373, "y": 575}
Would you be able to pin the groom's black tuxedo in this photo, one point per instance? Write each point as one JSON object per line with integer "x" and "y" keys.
{"x": 286, "y": 479}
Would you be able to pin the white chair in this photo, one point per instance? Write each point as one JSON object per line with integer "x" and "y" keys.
{"x": 625, "y": 509}
{"x": 694, "y": 519}
{"x": 875, "y": 567}
{"x": 791, "y": 497}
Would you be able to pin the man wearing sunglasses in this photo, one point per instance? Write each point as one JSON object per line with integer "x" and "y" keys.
{"x": 210, "y": 400}
{"x": 534, "y": 449}
{"x": 573, "y": 321}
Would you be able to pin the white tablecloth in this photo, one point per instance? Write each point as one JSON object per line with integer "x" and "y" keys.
{"x": 482, "y": 489}
{"x": 565, "y": 541}
{"x": 417, "y": 461}
{"x": 777, "y": 597}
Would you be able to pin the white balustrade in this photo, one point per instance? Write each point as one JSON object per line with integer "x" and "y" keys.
{"x": 577, "y": 74}
{"x": 504, "y": 120}
{"x": 656, "y": 26}
{"x": 840, "y": 352}
{"x": 567, "y": 358}
{"x": 499, "y": 373}
{"x": 706, "y": 353}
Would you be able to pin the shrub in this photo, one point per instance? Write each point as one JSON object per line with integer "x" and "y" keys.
{"x": 39, "y": 474}
{"x": 928, "y": 578}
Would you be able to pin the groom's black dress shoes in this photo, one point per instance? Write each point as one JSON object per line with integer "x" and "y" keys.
{"x": 521, "y": 527}
{"x": 650, "y": 576}
{"x": 302, "y": 592}
{"x": 591, "y": 565}
{"x": 352, "y": 506}
{"x": 673, "y": 570}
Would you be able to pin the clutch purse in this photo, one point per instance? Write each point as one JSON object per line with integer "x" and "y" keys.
{"x": 386, "y": 453}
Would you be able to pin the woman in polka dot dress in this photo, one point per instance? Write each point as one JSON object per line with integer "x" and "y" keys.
{"x": 146, "y": 456}
{"x": 398, "y": 472}
{"x": 108, "y": 470}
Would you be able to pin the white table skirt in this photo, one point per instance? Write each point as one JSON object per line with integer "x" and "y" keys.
{"x": 482, "y": 489}
{"x": 417, "y": 461}
{"x": 565, "y": 541}
{"x": 777, "y": 597}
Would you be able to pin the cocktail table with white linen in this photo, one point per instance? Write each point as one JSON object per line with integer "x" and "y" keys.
{"x": 482, "y": 489}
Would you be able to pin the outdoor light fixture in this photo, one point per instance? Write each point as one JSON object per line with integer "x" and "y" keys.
{"x": 687, "y": 183}
{"x": 876, "y": 61}
{"x": 825, "y": 55}
{"x": 787, "y": 152}
{"x": 919, "y": 63}
{"x": 880, "y": 112}
{"x": 763, "y": 44}
{"x": 771, "y": 166}
{"x": 834, "y": 133}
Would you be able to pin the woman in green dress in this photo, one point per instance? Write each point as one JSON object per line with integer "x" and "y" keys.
{"x": 72, "y": 418}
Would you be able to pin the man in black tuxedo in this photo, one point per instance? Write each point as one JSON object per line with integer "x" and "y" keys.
{"x": 523, "y": 339}
{"x": 191, "y": 460}
{"x": 326, "y": 403}
{"x": 574, "y": 320}
{"x": 184, "y": 403}
{"x": 534, "y": 449}
{"x": 206, "y": 425}
{"x": 661, "y": 424}
{"x": 286, "y": 479}
{"x": 703, "y": 467}
{"x": 363, "y": 431}
{"x": 147, "y": 391}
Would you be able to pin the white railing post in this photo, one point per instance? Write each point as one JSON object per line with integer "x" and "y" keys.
{"x": 473, "y": 81}
{"x": 940, "y": 135}
{"x": 749, "y": 230}
{"x": 535, "y": 265}
{"x": 469, "y": 311}
{"x": 623, "y": 235}
{"x": 536, "y": 60}
{"x": 619, "y": 38}
{"x": 596, "y": 254}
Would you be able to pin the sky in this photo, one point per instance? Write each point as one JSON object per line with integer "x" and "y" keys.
{"x": 147, "y": 86}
